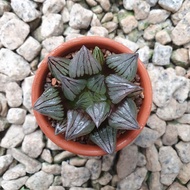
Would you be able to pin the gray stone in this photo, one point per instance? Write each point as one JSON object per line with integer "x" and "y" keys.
{"x": 51, "y": 168}
{"x": 97, "y": 9}
{"x": 80, "y": 17}
{"x": 144, "y": 54}
{"x": 154, "y": 181}
{"x": 161, "y": 54}
{"x": 98, "y": 31}
{"x": 184, "y": 174}
{"x": 33, "y": 144}
{"x": 46, "y": 156}
{"x": 163, "y": 37}
{"x": 15, "y": 172}
{"x": 150, "y": 31}
{"x": 153, "y": 163}
{"x": 13, "y": 136}
{"x": 183, "y": 150}
{"x": 152, "y": 2}
{"x": 40, "y": 181}
{"x": 185, "y": 119}
{"x": 107, "y": 161}
{"x": 53, "y": 6}
{"x": 171, "y": 135}
{"x": 4, "y": 124}
{"x": 154, "y": 122}
{"x": 181, "y": 28}
{"x": 13, "y": 94}
{"x": 94, "y": 166}
{"x": 4, "y": 81}
{"x": 176, "y": 186}
{"x": 26, "y": 10}
{"x": 30, "y": 164}
{"x": 9, "y": 61}
{"x": 171, "y": 5}
{"x": 3, "y": 105}
{"x": 141, "y": 160}
{"x": 13, "y": 184}
{"x": 107, "y": 17}
{"x": 7, "y": 16}
{"x": 27, "y": 90}
{"x": 107, "y": 187}
{"x": 105, "y": 178}
{"x": 170, "y": 163}
{"x": 92, "y": 3}
{"x": 29, "y": 49}
{"x": 128, "y": 4}
{"x": 110, "y": 26}
{"x": 30, "y": 124}
{"x": 127, "y": 155}
{"x": 65, "y": 15}
{"x": 73, "y": 176}
{"x": 16, "y": 115}
{"x": 56, "y": 188}
{"x": 105, "y": 4}
{"x": 157, "y": 16}
{"x": 71, "y": 31}
{"x": 77, "y": 161}
{"x": 172, "y": 110}
{"x": 52, "y": 42}
{"x": 52, "y": 146}
{"x": 5, "y": 161}
{"x": 134, "y": 180}
{"x": 147, "y": 138}
{"x": 4, "y": 7}
{"x": 141, "y": 9}
{"x": 180, "y": 71}
{"x": 183, "y": 132}
{"x": 62, "y": 156}
{"x": 13, "y": 33}
{"x": 80, "y": 188}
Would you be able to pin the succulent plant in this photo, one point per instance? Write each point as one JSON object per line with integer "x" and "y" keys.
{"x": 93, "y": 96}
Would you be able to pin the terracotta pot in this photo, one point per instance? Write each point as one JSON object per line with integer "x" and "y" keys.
{"x": 76, "y": 147}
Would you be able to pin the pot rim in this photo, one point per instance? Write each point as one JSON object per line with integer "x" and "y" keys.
{"x": 76, "y": 147}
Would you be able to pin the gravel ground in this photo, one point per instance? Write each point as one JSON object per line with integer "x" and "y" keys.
{"x": 158, "y": 30}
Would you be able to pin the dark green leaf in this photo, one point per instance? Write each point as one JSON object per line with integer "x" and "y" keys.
{"x": 83, "y": 63}
{"x": 49, "y": 104}
{"x": 60, "y": 127}
{"x": 123, "y": 64}
{"x": 78, "y": 124}
{"x": 58, "y": 66}
{"x": 97, "y": 84}
{"x": 98, "y": 112}
{"x": 123, "y": 117}
{"x": 98, "y": 55}
{"x": 72, "y": 87}
{"x": 119, "y": 88}
{"x": 99, "y": 97}
{"x": 105, "y": 138}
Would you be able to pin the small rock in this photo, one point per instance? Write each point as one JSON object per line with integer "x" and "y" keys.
{"x": 183, "y": 132}
{"x": 154, "y": 122}
{"x": 92, "y": 3}
{"x": 16, "y": 115}
{"x": 31, "y": 164}
{"x": 161, "y": 54}
{"x": 40, "y": 181}
{"x": 30, "y": 124}
{"x": 46, "y": 156}
{"x": 71, "y": 31}
{"x": 14, "y": 184}
{"x": 127, "y": 155}
{"x": 152, "y": 159}
{"x": 65, "y": 15}
{"x": 141, "y": 160}
{"x": 13, "y": 94}
{"x": 180, "y": 57}
{"x": 185, "y": 119}
{"x": 98, "y": 31}
{"x": 183, "y": 150}
{"x": 180, "y": 71}
{"x": 181, "y": 28}
{"x": 7, "y": 16}
{"x": 3, "y": 105}
{"x": 5, "y": 161}
{"x": 176, "y": 186}
{"x": 154, "y": 182}
{"x": 134, "y": 180}
{"x": 147, "y": 138}
{"x": 51, "y": 168}
{"x": 184, "y": 174}
{"x": 107, "y": 161}
{"x": 53, "y": 42}
{"x": 13, "y": 33}
{"x": 4, "y": 7}
{"x": 77, "y": 161}
{"x": 157, "y": 16}
{"x": 80, "y": 188}
{"x": 29, "y": 49}
{"x": 107, "y": 17}
{"x": 33, "y": 144}
{"x": 62, "y": 156}
{"x": 95, "y": 21}
{"x": 150, "y": 31}
{"x": 152, "y": 2}
{"x": 144, "y": 54}
{"x": 170, "y": 5}
{"x": 163, "y": 37}
{"x": 13, "y": 136}
{"x": 4, "y": 81}
{"x": 94, "y": 166}
{"x": 9, "y": 61}
{"x": 26, "y": 10}
{"x": 56, "y": 188}
{"x": 170, "y": 137}
{"x": 80, "y": 17}
{"x": 107, "y": 187}
{"x": 15, "y": 172}
{"x": 27, "y": 90}
{"x": 53, "y": 6}
{"x": 105, "y": 4}
{"x": 4, "y": 124}
{"x": 52, "y": 146}
{"x": 110, "y": 26}
{"x": 97, "y": 9}
{"x": 170, "y": 163}
{"x": 141, "y": 9}
{"x": 73, "y": 176}
{"x": 172, "y": 110}
{"x": 105, "y": 178}
{"x": 128, "y": 4}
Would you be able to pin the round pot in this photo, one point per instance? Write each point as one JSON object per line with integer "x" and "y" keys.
{"x": 71, "y": 46}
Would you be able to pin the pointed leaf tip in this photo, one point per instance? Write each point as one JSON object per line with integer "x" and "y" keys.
{"x": 98, "y": 55}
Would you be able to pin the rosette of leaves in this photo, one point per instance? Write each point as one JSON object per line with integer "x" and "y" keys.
{"x": 94, "y": 96}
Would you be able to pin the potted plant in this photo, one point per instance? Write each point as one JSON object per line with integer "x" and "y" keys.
{"x": 83, "y": 96}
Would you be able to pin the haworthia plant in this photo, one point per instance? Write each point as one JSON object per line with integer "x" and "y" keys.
{"x": 94, "y": 96}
